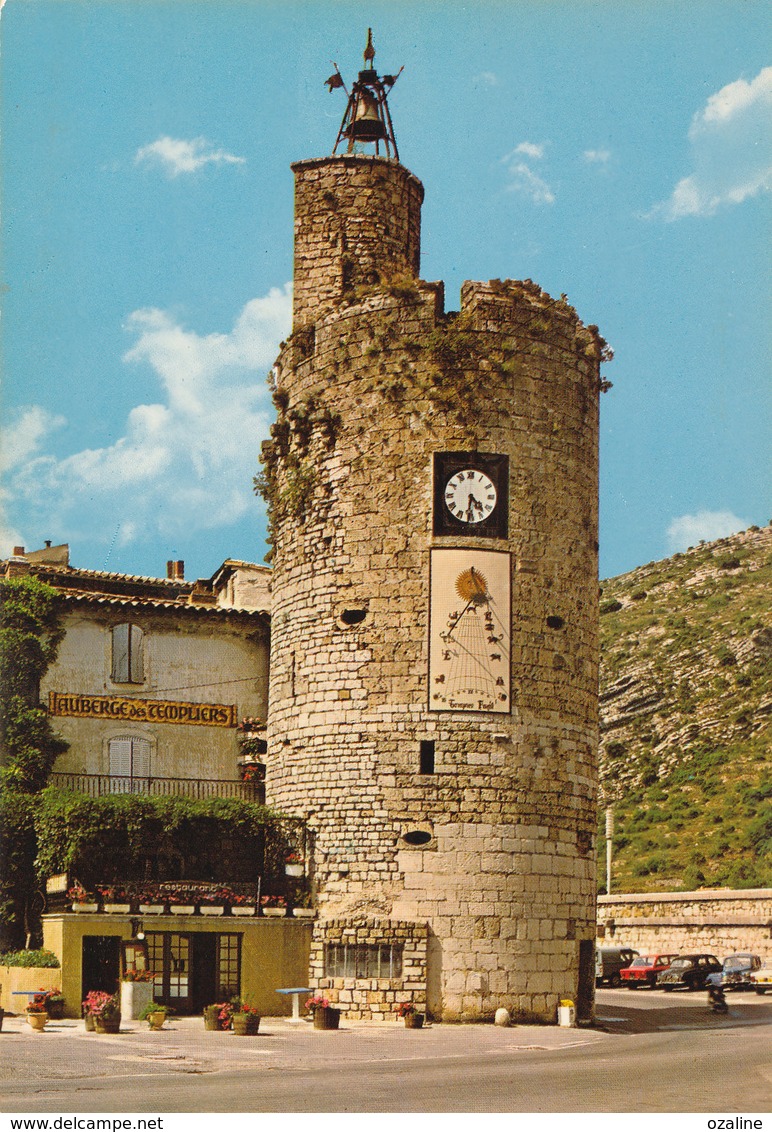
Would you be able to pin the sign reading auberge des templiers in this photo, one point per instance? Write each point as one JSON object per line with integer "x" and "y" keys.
{"x": 142, "y": 711}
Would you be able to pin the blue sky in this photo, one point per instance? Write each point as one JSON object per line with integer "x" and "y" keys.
{"x": 619, "y": 152}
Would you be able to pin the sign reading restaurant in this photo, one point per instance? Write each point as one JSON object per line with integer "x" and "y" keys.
{"x": 142, "y": 711}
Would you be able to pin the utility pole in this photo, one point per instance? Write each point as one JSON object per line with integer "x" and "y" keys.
{"x": 609, "y": 836}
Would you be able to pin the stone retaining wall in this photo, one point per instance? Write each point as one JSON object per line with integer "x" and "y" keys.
{"x": 720, "y": 921}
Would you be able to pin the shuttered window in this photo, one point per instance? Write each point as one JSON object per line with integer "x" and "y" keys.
{"x": 129, "y": 765}
{"x": 128, "y": 662}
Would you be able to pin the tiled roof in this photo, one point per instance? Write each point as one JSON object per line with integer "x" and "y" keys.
{"x": 201, "y": 608}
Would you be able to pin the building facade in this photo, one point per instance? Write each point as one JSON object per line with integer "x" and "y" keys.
{"x": 153, "y": 675}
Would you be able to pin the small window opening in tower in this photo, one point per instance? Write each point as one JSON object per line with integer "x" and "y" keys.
{"x": 426, "y": 756}
{"x": 555, "y": 622}
{"x": 353, "y": 616}
{"x": 417, "y": 837}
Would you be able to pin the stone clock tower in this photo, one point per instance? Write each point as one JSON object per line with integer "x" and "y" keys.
{"x": 432, "y": 481}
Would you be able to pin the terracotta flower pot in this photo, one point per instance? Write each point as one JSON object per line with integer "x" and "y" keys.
{"x": 156, "y": 1020}
{"x": 37, "y": 1020}
{"x": 414, "y": 1021}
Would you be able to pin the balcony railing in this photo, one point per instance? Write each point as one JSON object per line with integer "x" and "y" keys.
{"x": 100, "y": 785}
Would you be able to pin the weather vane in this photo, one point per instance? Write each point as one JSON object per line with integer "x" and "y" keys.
{"x": 367, "y": 117}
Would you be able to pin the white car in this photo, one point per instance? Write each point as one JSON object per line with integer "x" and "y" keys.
{"x": 761, "y": 980}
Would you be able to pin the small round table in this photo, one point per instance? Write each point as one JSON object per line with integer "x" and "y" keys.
{"x": 296, "y": 993}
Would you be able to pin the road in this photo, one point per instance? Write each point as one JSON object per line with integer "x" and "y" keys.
{"x": 650, "y": 1052}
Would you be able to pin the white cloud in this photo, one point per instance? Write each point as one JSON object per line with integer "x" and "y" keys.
{"x": 529, "y": 149}
{"x": 24, "y": 435}
{"x": 176, "y": 155}
{"x": 688, "y": 530}
{"x": 183, "y": 463}
{"x": 597, "y": 156}
{"x": 486, "y": 77}
{"x": 731, "y": 144}
{"x": 522, "y": 177}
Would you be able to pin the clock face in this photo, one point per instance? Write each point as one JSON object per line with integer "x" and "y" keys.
{"x": 470, "y": 495}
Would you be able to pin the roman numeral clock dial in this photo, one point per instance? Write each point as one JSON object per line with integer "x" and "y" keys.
{"x": 470, "y": 494}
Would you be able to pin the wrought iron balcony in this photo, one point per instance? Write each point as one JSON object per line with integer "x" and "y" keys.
{"x": 100, "y": 785}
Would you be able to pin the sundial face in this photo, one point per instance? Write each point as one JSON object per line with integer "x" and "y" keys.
{"x": 469, "y": 647}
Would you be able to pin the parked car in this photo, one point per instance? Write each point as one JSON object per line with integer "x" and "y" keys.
{"x": 688, "y": 971}
{"x": 609, "y": 961}
{"x": 761, "y": 979}
{"x": 643, "y": 971}
{"x": 736, "y": 972}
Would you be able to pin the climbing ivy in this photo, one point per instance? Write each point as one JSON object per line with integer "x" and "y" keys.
{"x": 30, "y": 633}
{"x": 113, "y": 838}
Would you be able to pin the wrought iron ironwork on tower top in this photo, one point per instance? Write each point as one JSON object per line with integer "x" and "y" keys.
{"x": 367, "y": 118}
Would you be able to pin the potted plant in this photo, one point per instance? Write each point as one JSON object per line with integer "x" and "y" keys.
{"x": 212, "y": 902}
{"x": 154, "y": 1014}
{"x": 150, "y": 900}
{"x": 326, "y": 1017}
{"x": 293, "y": 865}
{"x": 302, "y": 903}
{"x": 54, "y": 1000}
{"x": 115, "y": 899}
{"x": 82, "y": 900}
{"x": 105, "y": 1009}
{"x": 242, "y": 905}
{"x": 37, "y": 1015}
{"x": 181, "y": 902}
{"x": 413, "y": 1020}
{"x": 245, "y": 1020}
{"x": 218, "y": 1015}
{"x": 273, "y": 905}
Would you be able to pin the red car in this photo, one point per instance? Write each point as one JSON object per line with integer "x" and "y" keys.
{"x": 643, "y": 971}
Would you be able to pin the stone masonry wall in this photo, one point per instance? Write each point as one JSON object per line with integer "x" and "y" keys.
{"x": 376, "y": 999}
{"x": 717, "y": 921}
{"x": 506, "y": 878}
{"x": 357, "y": 219}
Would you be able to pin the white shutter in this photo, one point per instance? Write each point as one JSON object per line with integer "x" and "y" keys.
{"x": 120, "y": 766}
{"x": 140, "y": 762}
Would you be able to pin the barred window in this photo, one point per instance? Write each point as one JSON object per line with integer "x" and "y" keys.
{"x": 363, "y": 960}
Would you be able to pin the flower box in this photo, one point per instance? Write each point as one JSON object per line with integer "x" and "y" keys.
{"x": 294, "y": 869}
{"x": 149, "y": 909}
{"x": 211, "y": 909}
{"x": 304, "y": 913}
{"x": 275, "y": 912}
{"x": 182, "y": 909}
{"x": 76, "y": 907}
{"x": 242, "y": 910}
{"x": 118, "y": 909}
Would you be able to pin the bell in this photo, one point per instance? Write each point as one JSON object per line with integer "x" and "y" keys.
{"x": 367, "y": 125}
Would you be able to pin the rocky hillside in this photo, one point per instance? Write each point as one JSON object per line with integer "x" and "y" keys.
{"x": 685, "y": 701}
